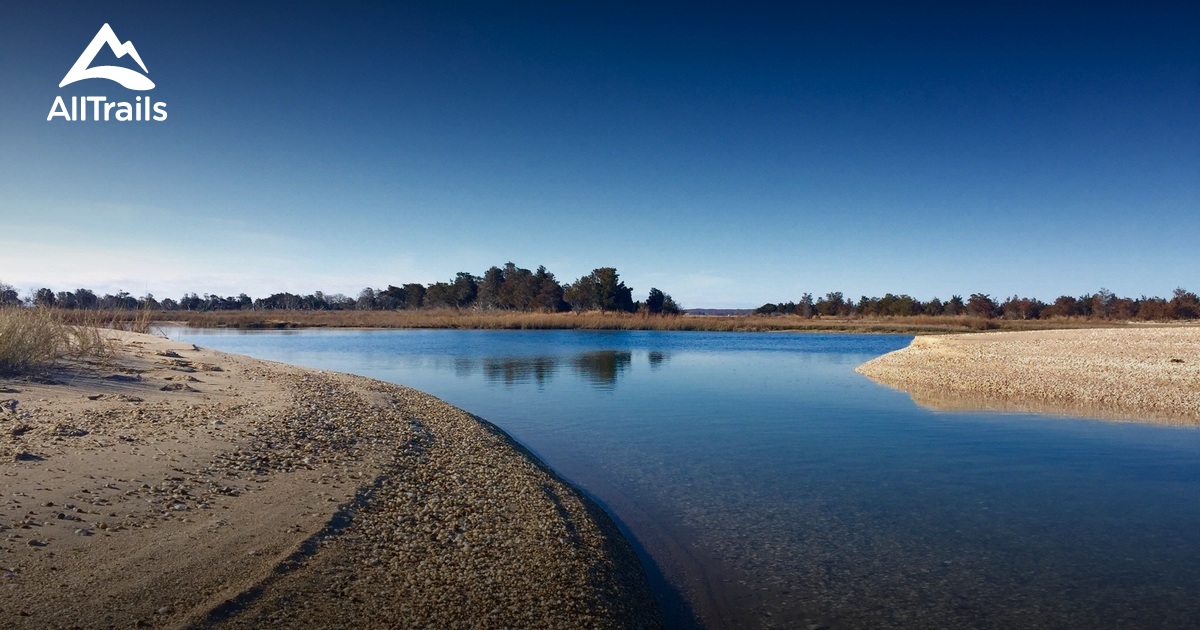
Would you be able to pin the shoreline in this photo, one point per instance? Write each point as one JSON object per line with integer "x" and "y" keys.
{"x": 1149, "y": 374}
{"x": 173, "y": 486}
{"x": 592, "y": 320}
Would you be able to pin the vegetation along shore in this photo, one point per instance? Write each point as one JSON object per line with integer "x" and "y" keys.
{"x": 511, "y": 297}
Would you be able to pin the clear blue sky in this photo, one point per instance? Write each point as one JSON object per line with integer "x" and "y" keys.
{"x": 729, "y": 154}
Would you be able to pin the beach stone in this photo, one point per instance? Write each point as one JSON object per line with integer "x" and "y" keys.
{"x": 1122, "y": 373}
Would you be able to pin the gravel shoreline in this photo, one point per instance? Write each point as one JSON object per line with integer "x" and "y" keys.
{"x": 1147, "y": 374}
{"x": 181, "y": 487}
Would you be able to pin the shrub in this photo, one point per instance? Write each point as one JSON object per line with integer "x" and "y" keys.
{"x": 33, "y": 340}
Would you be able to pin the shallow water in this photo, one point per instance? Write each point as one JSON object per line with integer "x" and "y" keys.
{"x": 771, "y": 486}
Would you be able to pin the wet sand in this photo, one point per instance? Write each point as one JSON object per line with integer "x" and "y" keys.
{"x": 172, "y": 486}
{"x": 1142, "y": 374}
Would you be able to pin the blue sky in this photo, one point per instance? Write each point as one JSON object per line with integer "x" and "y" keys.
{"x": 728, "y": 154}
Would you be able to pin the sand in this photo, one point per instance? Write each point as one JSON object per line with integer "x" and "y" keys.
{"x": 173, "y": 486}
{"x": 1147, "y": 374}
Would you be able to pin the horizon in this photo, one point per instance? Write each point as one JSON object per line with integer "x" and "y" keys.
{"x": 730, "y": 157}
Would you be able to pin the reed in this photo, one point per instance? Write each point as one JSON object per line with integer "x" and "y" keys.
{"x": 509, "y": 320}
{"x": 35, "y": 340}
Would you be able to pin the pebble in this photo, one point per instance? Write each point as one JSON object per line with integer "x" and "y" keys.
{"x": 1126, "y": 373}
{"x": 450, "y": 522}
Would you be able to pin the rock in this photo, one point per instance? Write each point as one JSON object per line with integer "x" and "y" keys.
{"x": 68, "y": 431}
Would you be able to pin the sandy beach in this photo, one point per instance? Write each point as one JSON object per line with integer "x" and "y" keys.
{"x": 172, "y": 486}
{"x": 1142, "y": 374}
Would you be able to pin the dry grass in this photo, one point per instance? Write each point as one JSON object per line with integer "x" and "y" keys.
{"x": 507, "y": 320}
{"x": 34, "y": 340}
{"x": 139, "y": 321}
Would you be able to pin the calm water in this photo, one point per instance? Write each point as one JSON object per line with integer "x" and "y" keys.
{"x": 771, "y": 486}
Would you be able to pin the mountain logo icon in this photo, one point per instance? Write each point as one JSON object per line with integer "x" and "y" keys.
{"x": 131, "y": 79}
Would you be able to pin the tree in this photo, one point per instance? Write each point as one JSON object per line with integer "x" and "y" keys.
{"x": 489, "y": 288}
{"x": 549, "y": 292}
{"x": 613, "y": 294}
{"x": 366, "y": 300}
{"x": 1103, "y": 302}
{"x": 832, "y": 304}
{"x": 8, "y": 295}
{"x": 1185, "y": 304}
{"x": 1022, "y": 308}
{"x": 414, "y": 295}
{"x": 464, "y": 289}
{"x": 1084, "y": 304}
{"x": 392, "y": 297}
{"x": 654, "y": 301}
{"x": 519, "y": 290}
{"x": 44, "y": 298}
{"x": 981, "y": 305}
{"x": 85, "y": 299}
{"x": 602, "y": 289}
{"x": 1064, "y": 306}
{"x": 805, "y": 307}
{"x": 582, "y": 295}
{"x": 440, "y": 295}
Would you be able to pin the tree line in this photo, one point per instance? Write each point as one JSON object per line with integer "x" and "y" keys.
{"x": 508, "y": 288}
{"x": 1103, "y": 304}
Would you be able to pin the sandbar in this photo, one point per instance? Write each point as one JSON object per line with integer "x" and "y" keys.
{"x": 175, "y": 486}
{"x": 1149, "y": 374}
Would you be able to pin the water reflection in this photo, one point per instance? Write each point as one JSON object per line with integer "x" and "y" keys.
{"x": 518, "y": 370}
{"x": 601, "y": 368}
{"x": 657, "y": 359}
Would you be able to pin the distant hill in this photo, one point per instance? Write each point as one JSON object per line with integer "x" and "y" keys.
{"x": 719, "y": 312}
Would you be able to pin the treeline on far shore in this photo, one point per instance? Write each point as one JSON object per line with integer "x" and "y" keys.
{"x": 1103, "y": 305}
{"x": 508, "y": 288}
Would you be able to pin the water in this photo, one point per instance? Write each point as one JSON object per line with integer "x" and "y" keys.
{"x": 768, "y": 485}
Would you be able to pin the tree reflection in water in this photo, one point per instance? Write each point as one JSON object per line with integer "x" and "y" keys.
{"x": 603, "y": 368}
{"x": 517, "y": 370}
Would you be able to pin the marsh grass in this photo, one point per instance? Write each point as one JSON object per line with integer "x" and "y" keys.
{"x": 508, "y": 320}
{"x": 138, "y": 321}
{"x": 35, "y": 340}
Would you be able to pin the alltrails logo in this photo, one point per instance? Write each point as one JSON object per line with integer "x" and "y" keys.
{"x": 99, "y": 107}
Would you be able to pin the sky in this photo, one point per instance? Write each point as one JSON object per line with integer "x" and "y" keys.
{"x": 729, "y": 154}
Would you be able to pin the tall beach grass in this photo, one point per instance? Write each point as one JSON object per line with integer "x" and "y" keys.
{"x": 35, "y": 340}
{"x": 509, "y": 320}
